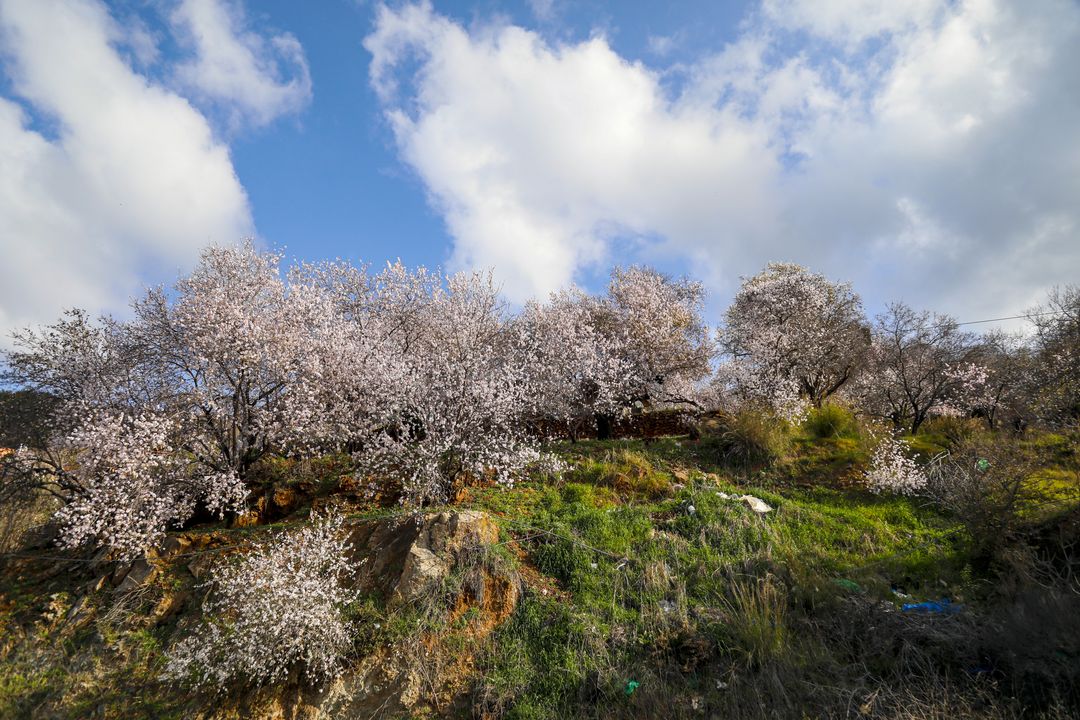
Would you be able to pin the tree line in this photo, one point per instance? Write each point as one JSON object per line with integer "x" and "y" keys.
{"x": 426, "y": 378}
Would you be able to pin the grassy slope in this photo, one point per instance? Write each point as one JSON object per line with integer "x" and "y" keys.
{"x": 640, "y": 606}
{"x": 691, "y": 603}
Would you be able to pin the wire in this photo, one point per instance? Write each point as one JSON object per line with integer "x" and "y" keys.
{"x": 1025, "y": 316}
{"x": 1011, "y": 317}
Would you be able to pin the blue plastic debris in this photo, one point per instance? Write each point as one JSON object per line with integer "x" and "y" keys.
{"x": 933, "y": 607}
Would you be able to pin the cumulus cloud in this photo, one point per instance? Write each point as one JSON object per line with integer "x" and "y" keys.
{"x": 108, "y": 177}
{"x": 257, "y": 78}
{"x": 938, "y": 164}
{"x": 538, "y": 155}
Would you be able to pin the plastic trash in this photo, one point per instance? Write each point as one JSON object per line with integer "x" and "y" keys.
{"x": 756, "y": 504}
{"x": 982, "y": 464}
{"x": 933, "y": 607}
{"x": 690, "y": 509}
{"x": 850, "y": 585}
{"x": 631, "y": 686}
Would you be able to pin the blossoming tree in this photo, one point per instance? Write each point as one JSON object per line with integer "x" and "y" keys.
{"x": 792, "y": 338}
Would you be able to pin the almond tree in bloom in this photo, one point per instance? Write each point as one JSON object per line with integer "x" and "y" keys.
{"x": 1000, "y": 386}
{"x": 653, "y": 324}
{"x": 132, "y": 484}
{"x": 170, "y": 409}
{"x": 460, "y": 387}
{"x": 230, "y": 348}
{"x": 590, "y": 358}
{"x": 1057, "y": 354}
{"x": 893, "y": 470}
{"x": 575, "y": 371}
{"x": 279, "y": 607}
{"x": 919, "y": 365}
{"x": 792, "y": 338}
{"x": 82, "y": 367}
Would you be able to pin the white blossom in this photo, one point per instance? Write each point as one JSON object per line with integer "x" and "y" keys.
{"x": 792, "y": 339}
{"x": 893, "y": 470}
{"x": 279, "y": 608}
{"x": 919, "y": 365}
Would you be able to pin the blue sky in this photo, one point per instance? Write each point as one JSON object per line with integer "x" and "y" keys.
{"x": 927, "y": 151}
{"x": 330, "y": 183}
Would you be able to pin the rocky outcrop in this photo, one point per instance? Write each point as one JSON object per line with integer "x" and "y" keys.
{"x": 404, "y": 558}
{"x": 435, "y": 568}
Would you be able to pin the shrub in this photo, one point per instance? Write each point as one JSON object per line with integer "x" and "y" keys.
{"x": 952, "y": 431}
{"x": 892, "y": 470}
{"x": 747, "y": 440}
{"x": 755, "y": 620}
{"x": 831, "y": 421}
{"x": 990, "y": 489}
{"x": 280, "y": 608}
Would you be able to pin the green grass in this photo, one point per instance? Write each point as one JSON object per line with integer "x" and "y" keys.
{"x": 645, "y": 570}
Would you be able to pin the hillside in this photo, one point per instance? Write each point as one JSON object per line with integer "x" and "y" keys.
{"x": 635, "y": 582}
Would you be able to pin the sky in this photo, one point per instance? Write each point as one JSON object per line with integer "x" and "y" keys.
{"x": 927, "y": 151}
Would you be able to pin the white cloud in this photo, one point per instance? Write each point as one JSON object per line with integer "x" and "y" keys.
{"x": 923, "y": 166}
{"x": 663, "y": 45}
{"x": 130, "y": 184}
{"x": 537, "y": 155}
{"x": 257, "y": 78}
{"x": 543, "y": 10}
{"x": 852, "y": 21}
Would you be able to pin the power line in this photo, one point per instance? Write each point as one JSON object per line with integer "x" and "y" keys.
{"x": 1025, "y": 316}
{"x": 1011, "y": 317}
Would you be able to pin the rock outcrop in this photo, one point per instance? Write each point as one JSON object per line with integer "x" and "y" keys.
{"x": 434, "y": 568}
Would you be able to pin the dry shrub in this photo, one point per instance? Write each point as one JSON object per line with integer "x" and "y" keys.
{"x": 755, "y": 624}
{"x": 990, "y": 489}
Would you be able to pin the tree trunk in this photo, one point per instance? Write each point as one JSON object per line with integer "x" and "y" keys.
{"x": 604, "y": 426}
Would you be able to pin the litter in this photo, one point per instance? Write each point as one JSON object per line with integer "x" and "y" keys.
{"x": 756, "y": 504}
{"x": 847, "y": 584}
{"x": 933, "y": 607}
{"x": 631, "y": 686}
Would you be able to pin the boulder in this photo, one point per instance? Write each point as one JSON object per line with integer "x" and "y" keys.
{"x": 134, "y": 575}
{"x": 173, "y": 546}
{"x": 41, "y": 536}
{"x": 409, "y": 561}
{"x": 403, "y": 559}
{"x": 169, "y": 605}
